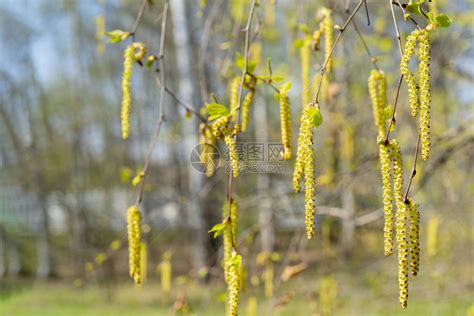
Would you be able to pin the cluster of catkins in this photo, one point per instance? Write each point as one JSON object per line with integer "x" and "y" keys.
{"x": 133, "y": 52}
{"x": 232, "y": 260}
{"x": 391, "y": 163}
{"x": 419, "y": 93}
{"x": 304, "y": 165}
{"x": 221, "y": 130}
{"x": 325, "y": 30}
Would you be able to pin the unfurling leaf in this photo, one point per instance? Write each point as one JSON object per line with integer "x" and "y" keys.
{"x": 219, "y": 228}
{"x": 216, "y": 110}
{"x": 315, "y": 117}
{"x": 117, "y": 36}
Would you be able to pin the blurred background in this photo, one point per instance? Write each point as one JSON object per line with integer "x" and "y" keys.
{"x": 67, "y": 177}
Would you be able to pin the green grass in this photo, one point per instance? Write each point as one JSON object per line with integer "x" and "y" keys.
{"x": 63, "y": 299}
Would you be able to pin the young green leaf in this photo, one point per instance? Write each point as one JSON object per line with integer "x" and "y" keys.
{"x": 315, "y": 117}
{"x": 219, "y": 228}
{"x": 442, "y": 20}
{"x": 216, "y": 110}
{"x": 117, "y": 36}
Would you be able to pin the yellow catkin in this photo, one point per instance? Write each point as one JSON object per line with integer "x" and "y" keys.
{"x": 400, "y": 223}
{"x": 143, "y": 262}
{"x": 305, "y": 55}
{"x": 285, "y": 121}
{"x": 234, "y": 284}
{"x": 413, "y": 90}
{"x": 100, "y": 33}
{"x": 378, "y": 94}
{"x": 234, "y": 219}
{"x": 252, "y": 306}
{"x": 135, "y": 51}
{"x": 234, "y": 85}
{"x": 328, "y": 295}
{"x": 328, "y": 38}
{"x": 220, "y": 126}
{"x": 207, "y": 141}
{"x": 134, "y": 242}
{"x": 304, "y": 143}
{"x": 310, "y": 193}
{"x": 126, "y": 91}
{"x": 230, "y": 233}
{"x": 425, "y": 96}
{"x": 386, "y": 170}
{"x": 166, "y": 274}
{"x": 268, "y": 276}
{"x": 305, "y": 165}
{"x": 414, "y": 232}
{"x": 233, "y": 154}
{"x": 432, "y": 236}
{"x": 246, "y": 105}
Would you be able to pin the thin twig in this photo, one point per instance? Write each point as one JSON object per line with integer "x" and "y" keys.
{"x": 413, "y": 171}
{"x": 138, "y": 19}
{"x": 180, "y": 102}
{"x": 328, "y": 58}
{"x": 161, "y": 118}
{"x": 373, "y": 60}
{"x": 241, "y": 88}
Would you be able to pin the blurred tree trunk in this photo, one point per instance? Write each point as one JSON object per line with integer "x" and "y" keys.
{"x": 2, "y": 253}
{"x": 187, "y": 89}
{"x": 43, "y": 244}
{"x": 14, "y": 264}
{"x": 265, "y": 219}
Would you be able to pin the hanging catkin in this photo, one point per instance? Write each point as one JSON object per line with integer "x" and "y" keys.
{"x": 234, "y": 85}
{"x": 413, "y": 90}
{"x": 414, "y": 232}
{"x": 305, "y": 165}
{"x": 386, "y": 170}
{"x": 134, "y": 242}
{"x": 126, "y": 90}
{"x": 285, "y": 121}
{"x": 400, "y": 224}
{"x": 378, "y": 94}
{"x": 246, "y": 105}
{"x": 233, "y": 154}
{"x": 235, "y": 263}
{"x": 328, "y": 38}
{"x": 305, "y": 54}
{"x": 135, "y": 51}
{"x": 425, "y": 97}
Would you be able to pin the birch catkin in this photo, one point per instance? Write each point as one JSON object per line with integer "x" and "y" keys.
{"x": 126, "y": 90}
{"x": 135, "y": 51}
{"x": 285, "y": 121}
{"x": 134, "y": 242}
{"x": 386, "y": 170}
{"x": 246, "y": 105}
{"x": 378, "y": 94}
{"x": 414, "y": 232}
{"x": 328, "y": 38}
{"x": 425, "y": 97}
{"x": 305, "y": 165}
{"x": 305, "y": 54}
{"x": 234, "y": 96}
{"x": 400, "y": 224}
{"x": 413, "y": 90}
{"x": 234, "y": 284}
{"x": 233, "y": 154}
